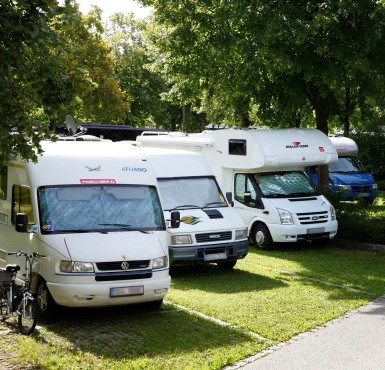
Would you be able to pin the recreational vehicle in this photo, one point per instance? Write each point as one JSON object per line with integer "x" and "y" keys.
{"x": 262, "y": 171}
{"x": 93, "y": 209}
{"x": 210, "y": 230}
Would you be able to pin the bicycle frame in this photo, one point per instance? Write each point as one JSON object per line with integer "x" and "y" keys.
{"x": 18, "y": 299}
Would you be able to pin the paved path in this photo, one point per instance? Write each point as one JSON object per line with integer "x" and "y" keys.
{"x": 354, "y": 342}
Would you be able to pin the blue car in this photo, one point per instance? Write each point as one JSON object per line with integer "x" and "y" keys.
{"x": 348, "y": 179}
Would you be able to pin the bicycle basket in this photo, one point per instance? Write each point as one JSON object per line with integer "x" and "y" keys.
{"x": 5, "y": 276}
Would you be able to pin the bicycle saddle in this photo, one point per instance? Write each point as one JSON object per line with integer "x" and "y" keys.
{"x": 12, "y": 268}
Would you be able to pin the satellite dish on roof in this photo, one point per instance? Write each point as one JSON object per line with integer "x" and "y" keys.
{"x": 71, "y": 125}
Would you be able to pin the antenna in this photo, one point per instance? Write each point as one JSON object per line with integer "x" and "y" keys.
{"x": 71, "y": 125}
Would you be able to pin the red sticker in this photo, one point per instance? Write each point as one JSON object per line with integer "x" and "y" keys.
{"x": 97, "y": 181}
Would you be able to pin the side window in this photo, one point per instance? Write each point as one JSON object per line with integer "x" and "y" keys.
{"x": 239, "y": 186}
{"x": 3, "y": 182}
{"x": 242, "y": 184}
{"x": 21, "y": 201}
{"x": 237, "y": 147}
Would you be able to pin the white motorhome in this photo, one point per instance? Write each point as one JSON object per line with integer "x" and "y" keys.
{"x": 263, "y": 170}
{"x": 210, "y": 230}
{"x": 93, "y": 209}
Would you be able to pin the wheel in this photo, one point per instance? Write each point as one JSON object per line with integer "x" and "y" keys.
{"x": 262, "y": 238}
{"x": 226, "y": 265}
{"x": 46, "y": 304}
{"x": 27, "y": 316}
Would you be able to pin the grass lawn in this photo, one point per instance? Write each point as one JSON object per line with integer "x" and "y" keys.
{"x": 212, "y": 318}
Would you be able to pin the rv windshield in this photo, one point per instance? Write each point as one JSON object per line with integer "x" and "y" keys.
{"x": 347, "y": 164}
{"x": 90, "y": 208}
{"x": 190, "y": 192}
{"x": 285, "y": 184}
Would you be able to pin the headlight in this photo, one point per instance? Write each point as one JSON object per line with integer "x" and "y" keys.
{"x": 374, "y": 187}
{"x": 344, "y": 187}
{"x": 71, "y": 266}
{"x": 180, "y": 239}
{"x": 333, "y": 213}
{"x": 160, "y": 262}
{"x": 285, "y": 217}
{"x": 241, "y": 234}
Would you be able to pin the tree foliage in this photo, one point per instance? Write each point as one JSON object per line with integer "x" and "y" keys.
{"x": 277, "y": 58}
{"x": 25, "y": 41}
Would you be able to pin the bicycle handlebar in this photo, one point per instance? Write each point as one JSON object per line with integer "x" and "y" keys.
{"x": 21, "y": 253}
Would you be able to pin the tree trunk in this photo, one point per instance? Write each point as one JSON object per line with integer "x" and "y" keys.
{"x": 245, "y": 121}
{"x": 321, "y": 108}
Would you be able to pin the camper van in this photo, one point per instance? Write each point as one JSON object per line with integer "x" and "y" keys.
{"x": 93, "y": 209}
{"x": 262, "y": 172}
{"x": 210, "y": 230}
{"x": 348, "y": 179}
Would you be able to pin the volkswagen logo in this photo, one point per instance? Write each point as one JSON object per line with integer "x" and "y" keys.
{"x": 315, "y": 218}
{"x": 125, "y": 265}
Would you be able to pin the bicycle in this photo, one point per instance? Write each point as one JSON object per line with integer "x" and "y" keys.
{"x": 17, "y": 298}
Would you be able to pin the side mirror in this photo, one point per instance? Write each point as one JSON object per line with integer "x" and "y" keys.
{"x": 247, "y": 197}
{"x": 229, "y": 198}
{"x": 175, "y": 219}
{"x": 21, "y": 223}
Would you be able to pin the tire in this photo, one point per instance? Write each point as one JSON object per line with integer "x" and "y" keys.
{"x": 27, "y": 316}
{"x": 261, "y": 237}
{"x": 226, "y": 265}
{"x": 47, "y": 306}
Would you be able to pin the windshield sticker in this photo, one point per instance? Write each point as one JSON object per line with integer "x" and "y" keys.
{"x": 97, "y": 181}
{"x": 190, "y": 220}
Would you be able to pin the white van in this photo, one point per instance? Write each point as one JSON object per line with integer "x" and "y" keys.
{"x": 264, "y": 171}
{"x": 93, "y": 209}
{"x": 210, "y": 230}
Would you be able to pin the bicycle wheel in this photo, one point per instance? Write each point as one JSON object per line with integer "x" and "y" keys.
{"x": 27, "y": 316}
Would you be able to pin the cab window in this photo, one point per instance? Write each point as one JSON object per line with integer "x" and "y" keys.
{"x": 21, "y": 200}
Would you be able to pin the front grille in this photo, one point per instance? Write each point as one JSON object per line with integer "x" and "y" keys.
{"x": 312, "y": 218}
{"x": 213, "y": 237}
{"x": 361, "y": 188}
{"x": 117, "y": 265}
{"x": 110, "y": 276}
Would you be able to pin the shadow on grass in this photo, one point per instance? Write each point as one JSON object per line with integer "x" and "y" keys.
{"x": 209, "y": 278}
{"x": 130, "y": 332}
{"x": 358, "y": 269}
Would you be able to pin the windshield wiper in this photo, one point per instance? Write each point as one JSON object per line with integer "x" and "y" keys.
{"x": 303, "y": 194}
{"x": 214, "y": 203}
{"x": 125, "y": 227}
{"x": 187, "y": 206}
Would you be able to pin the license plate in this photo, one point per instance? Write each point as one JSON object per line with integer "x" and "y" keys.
{"x": 215, "y": 256}
{"x": 127, "y": 291}
{"x": 362, "y": 195}
{"x": 316, "y": 230}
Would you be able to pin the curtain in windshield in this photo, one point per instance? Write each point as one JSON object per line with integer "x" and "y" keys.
{"x": 284, "y": 184}
{"x": 86, "y": 208}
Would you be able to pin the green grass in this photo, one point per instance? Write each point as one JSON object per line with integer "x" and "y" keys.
{"x": 212, "y": 318}
{"x": 362, "y": 223}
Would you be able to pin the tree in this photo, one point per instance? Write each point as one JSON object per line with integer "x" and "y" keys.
{"x": 146, "y": 87}
{"x": 83, "y": 83}
{"x": 280, "y": 56}
{"x": 25, "y": 39}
